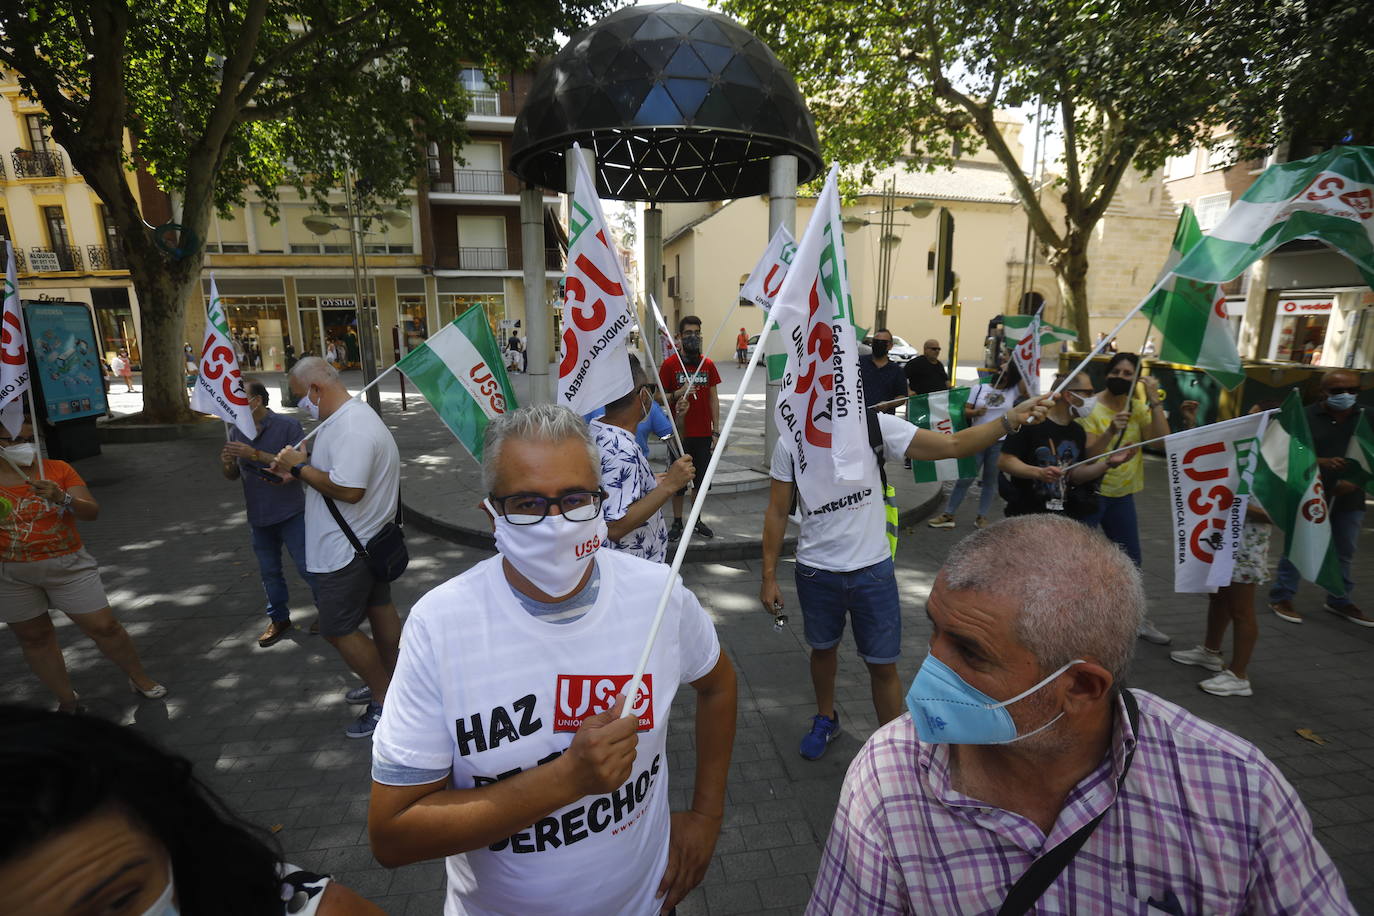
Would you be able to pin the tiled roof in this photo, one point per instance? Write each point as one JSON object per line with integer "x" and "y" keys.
{"x": 971, "y": 181}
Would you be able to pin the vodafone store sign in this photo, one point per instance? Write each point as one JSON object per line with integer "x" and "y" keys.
{"x": 1305, "y": 306}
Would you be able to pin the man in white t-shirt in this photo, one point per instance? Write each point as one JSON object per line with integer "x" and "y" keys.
{"x": 844, "y": 564}
{"x": 354, "y": 462}
{"x": 634, "y": 494}
{"x": 502, "y": 748}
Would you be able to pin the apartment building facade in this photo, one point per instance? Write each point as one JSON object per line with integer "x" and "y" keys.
{"x": 66, "y": 246}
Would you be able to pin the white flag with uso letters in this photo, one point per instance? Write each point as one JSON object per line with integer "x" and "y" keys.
{"x": 219, "y": 387}
{"x": 820, "y": 412}
{"x": 14, "y": 354}
{"x": 595, "y": 369}
{"x": 766, "y": 280}
{"x": 1210, "y": 469}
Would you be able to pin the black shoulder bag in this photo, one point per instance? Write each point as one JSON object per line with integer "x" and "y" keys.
{"x": 1044, "y": 870}
{"x": 386, "y": 552}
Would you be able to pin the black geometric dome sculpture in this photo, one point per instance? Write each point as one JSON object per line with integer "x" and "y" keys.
{"x": 679, "y": 104}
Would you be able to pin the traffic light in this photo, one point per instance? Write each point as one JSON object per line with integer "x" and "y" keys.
{"x": 944, "y": 256}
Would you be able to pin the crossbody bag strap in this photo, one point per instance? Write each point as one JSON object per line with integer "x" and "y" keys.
{"x": 875, "y": 442}
{"x": 343, "y": 525}
{"x": 1044, "y": 870}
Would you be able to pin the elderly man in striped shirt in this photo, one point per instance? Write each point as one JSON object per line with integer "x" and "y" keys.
{"x": 1025, "y": 777}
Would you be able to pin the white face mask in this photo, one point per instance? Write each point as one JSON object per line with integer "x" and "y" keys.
{"x": 309, "y": 406}
{"x": 552, "y": 554}
{"x": 163, "y": 905}
{"x": 22, "y": 454}
{"x": 1082, "y": 410}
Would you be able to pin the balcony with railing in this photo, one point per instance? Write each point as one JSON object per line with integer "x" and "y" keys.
{"x": 53, "y": 260}
{"x": 485, "y": 102}
{"x": 29, "y": 163}
{"x": 466, "y": 258}
{"x": 101, "y": 257}
{"x": 469, "y": 181}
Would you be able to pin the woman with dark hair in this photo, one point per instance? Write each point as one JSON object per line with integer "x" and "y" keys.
{"x": 95, "y": 819}
{"x": 1128, "y": 410}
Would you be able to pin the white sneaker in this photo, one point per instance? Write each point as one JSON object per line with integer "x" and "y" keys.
{"x": 944, "y": 520}
{"x": 1226, "y": 684}
{"x": 1151, "y": 633}
{"x": 1201, "y": 656}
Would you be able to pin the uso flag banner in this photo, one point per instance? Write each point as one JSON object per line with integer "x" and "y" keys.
{"x": 14, "y": 351}
{"x": 596, "y": 315}
{"x": 1289, "y": 488}
{"x": 820, "y": 411}
{"x": 460, "y": 372}
{"x": 1026, "y": 354}
{"x": 765, "y": 280}
{"x": 941, "y": 412}
{"x": 219, "y": 389}
{"x": 1210, "y": 470}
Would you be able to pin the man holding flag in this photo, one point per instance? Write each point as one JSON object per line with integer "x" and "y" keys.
{"x": 829, "y": 456}
{"x": 1332, "y": 421}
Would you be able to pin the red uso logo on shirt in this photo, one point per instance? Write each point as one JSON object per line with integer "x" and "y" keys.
{"x": 582, "y": 695}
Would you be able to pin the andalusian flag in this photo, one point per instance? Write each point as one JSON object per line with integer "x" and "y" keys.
{"x": 941, "y": 412}
{"x": 460, "y": 373}
{"x": 1328, "y": 197}
{"x": 1191, "y": 316}
{"x": 1287, "y": 485}
{"x": 1359, "y": 457}
{"x": 1014, "y": 328}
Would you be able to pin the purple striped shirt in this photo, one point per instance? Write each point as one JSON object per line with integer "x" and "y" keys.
{"x": 1202, "y": 814}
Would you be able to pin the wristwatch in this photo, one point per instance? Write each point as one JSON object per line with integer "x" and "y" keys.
{"x": 296, "y": 470}
{"x": 67, "y": 499}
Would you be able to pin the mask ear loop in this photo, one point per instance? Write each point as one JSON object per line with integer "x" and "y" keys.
{"x": 1025, "y": 693}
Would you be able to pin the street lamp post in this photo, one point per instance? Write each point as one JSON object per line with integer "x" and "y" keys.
{"x": 886, "y": 239}
{"x": 320, "y": 225}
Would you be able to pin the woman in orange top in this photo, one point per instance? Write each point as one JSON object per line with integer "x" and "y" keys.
{"x": 43, "y": 565}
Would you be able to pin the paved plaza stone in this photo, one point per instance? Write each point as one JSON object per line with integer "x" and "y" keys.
{"x": 264, "y": 727}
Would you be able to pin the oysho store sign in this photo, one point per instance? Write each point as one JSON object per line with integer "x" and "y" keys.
{"x": 337, "y": 303}
{"x": 1305, "y": 306}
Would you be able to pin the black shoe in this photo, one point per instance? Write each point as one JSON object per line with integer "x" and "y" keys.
{"x": 675, "y": 532}
{"x": 703, "y": 531}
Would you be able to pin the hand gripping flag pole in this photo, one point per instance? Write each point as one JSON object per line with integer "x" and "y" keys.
{"x": 699, "y": 500}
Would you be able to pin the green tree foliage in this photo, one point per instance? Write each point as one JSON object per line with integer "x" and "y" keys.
{"x": 1127, "y": 82}
{"x": 220, "y": 97}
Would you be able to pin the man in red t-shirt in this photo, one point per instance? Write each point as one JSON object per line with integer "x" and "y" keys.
{"x": 697, "y": 414}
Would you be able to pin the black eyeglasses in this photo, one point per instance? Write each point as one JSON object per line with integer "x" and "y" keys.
{"x": 531, "y": 508}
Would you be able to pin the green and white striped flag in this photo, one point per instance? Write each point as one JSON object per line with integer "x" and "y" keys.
{"x": 1287, "y": 485}
{"x": 1359, "y": 457}
{"x": 460, "y": 373}
{"x": 941, "y": 412}
{"x": 1328, "y": 197}
{"x": 1191, "y": 316}
{"x": 1014, "y": 328}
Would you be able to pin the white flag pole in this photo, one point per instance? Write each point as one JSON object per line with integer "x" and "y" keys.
{"x": 1127, "y": 448}
{"x": 698, "y": 501}
{"x": 658, "y": 383}
{"x": 716, "y": 337}
{"x": 1097, "y": 347}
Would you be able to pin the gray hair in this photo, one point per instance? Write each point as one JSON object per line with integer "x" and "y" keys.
{"x": 1079, "y": 595}
{"x": 539, "y": 422}
{"x": 312, "y": 370}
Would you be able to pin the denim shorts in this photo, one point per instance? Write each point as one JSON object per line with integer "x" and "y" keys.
{"x": 869, "y": 595}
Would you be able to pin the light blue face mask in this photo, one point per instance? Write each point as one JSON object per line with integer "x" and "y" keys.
{"x": 164, "y": 905}
{"x": 1343, "y": 401}
{"x": 948, "y": 710}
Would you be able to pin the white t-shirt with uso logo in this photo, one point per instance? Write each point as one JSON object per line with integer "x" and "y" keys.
{"x": 485, "y": 688}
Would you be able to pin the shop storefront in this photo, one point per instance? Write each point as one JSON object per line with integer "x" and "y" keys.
{"x": 329, "y": 325}
{"x": 115, "y": 323}
{"x": 259, "y": 328}
{"x": 1300, "y": 327}
{"x": 458, "y": 294}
